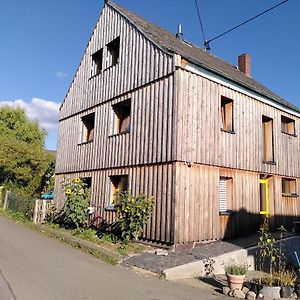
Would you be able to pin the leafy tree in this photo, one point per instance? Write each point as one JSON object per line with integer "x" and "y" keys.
{"x": 23, "y": 159}
{"x": 15, "y": 124}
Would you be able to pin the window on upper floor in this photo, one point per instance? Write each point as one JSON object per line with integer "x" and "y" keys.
{"x": 122, "y": 112}
{"x": 227, "y": 114}
{"x": 287, "y": 125}
{"x": 225, "y": 194}
{"x": 119, "y": 183}
{"x": 97, "y": 59}
{"x": 268, "y": 140}
{"x": 289, "y": 187}
{"x": 113, "y": 52}
{"x": 88, "y": 124}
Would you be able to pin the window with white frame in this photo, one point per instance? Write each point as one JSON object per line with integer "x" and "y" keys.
{"x": 225, "y": 193}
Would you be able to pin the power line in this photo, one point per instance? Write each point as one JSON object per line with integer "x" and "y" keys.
{"x": 199, "y": 17}
{"x": 206, "y": 43}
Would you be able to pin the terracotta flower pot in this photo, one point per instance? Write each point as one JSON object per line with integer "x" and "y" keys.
{"x": 235, "y": 281}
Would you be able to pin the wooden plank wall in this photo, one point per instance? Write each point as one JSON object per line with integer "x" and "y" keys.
{"x": 197, "y": 204}
{"x": 149, "y": 140}
{"x": 154, "y": 180}
{"x": 140, "y": 62}
{"x": 199, "y": 135}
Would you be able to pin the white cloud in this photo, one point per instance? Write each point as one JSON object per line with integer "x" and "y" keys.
{"x": 46, "y": 112}
{"x": 61, "y": 74}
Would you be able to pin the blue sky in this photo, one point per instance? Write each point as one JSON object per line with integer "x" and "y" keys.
{"x": 42, "y": 43}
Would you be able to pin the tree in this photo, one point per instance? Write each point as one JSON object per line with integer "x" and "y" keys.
{"x": 23, "y": 159}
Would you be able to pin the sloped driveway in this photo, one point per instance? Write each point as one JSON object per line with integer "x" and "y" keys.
{"x": 33, "y": 267}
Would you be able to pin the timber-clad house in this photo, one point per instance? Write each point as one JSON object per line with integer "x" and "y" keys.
{"x": 151, "y": 113}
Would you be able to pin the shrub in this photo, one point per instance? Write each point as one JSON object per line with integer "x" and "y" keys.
{"x": 132, "y": 213}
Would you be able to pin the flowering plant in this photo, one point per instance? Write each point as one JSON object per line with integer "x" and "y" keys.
{"x": 76, "y": 205}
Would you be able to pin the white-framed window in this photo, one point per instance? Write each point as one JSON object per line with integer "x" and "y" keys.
{"x": 225, "y": 193}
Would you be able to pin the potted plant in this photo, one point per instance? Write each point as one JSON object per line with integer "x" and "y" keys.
{"x": 235, "y": 274}
{"x": 271, "y": 286}
{"x": 287, "y": 280}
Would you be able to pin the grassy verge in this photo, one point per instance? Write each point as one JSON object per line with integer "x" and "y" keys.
{"x": 106, "y": 248}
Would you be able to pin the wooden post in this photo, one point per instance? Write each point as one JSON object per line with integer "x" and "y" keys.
{"x": 5, "y": 204}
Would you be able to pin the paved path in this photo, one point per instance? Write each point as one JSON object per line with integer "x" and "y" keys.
{"x": 36, "y": 267}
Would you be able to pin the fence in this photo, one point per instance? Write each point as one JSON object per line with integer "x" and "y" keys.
{"x": 41, "y": 209}
{"x": 18, "y": 203}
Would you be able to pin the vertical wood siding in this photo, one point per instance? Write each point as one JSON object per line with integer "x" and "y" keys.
{"x": 149, "y": 140}
{"x": 153, "y": 180}
{"x": 197, "y": 204}
{"x": 200, "y": 138}
{"x": 140, "y": 62}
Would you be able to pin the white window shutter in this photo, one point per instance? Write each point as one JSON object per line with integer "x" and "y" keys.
{"x": 223, "y": 195}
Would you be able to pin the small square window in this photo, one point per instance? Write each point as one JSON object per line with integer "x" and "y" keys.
{"x": 119, "y": 183}
{"x": 97, "y": 58}
{"x": 287, "y": 125}
{"x": 227, "y": 114}
{"x": 113, "y": 52}
{"x": 122, "y": 112}
{"x": 289, "y": 186}
{"x": 88, "y": 124}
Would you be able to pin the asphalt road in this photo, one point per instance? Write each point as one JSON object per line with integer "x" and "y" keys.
{"x": 33, "y": 267}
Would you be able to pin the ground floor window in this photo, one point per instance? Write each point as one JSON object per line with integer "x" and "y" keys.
{"x": 225, "y": 194}
{"x": 119, "y": 183}
{"x": 289, "y": 187}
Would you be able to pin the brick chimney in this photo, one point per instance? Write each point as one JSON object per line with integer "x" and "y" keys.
{"x": 244, "y": 64}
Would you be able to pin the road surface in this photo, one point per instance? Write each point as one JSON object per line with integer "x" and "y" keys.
{"x": 33, "y": 267}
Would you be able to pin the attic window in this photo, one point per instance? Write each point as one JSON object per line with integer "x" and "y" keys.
{"x": 88, "y": 124}
{"x": 227, "y": 114}
{"x": 97, "y": 58}
{"x": 113, "y": 52}
{"x": 287, "y": 125}
{"x": 289, "y": 187}
{"x": 122, "y": 117}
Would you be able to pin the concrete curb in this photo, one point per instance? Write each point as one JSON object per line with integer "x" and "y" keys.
{"x": 200, "y": 268}
{"x": 248, "y": 256}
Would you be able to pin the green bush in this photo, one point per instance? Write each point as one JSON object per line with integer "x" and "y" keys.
{"x": 132, "y": 213}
